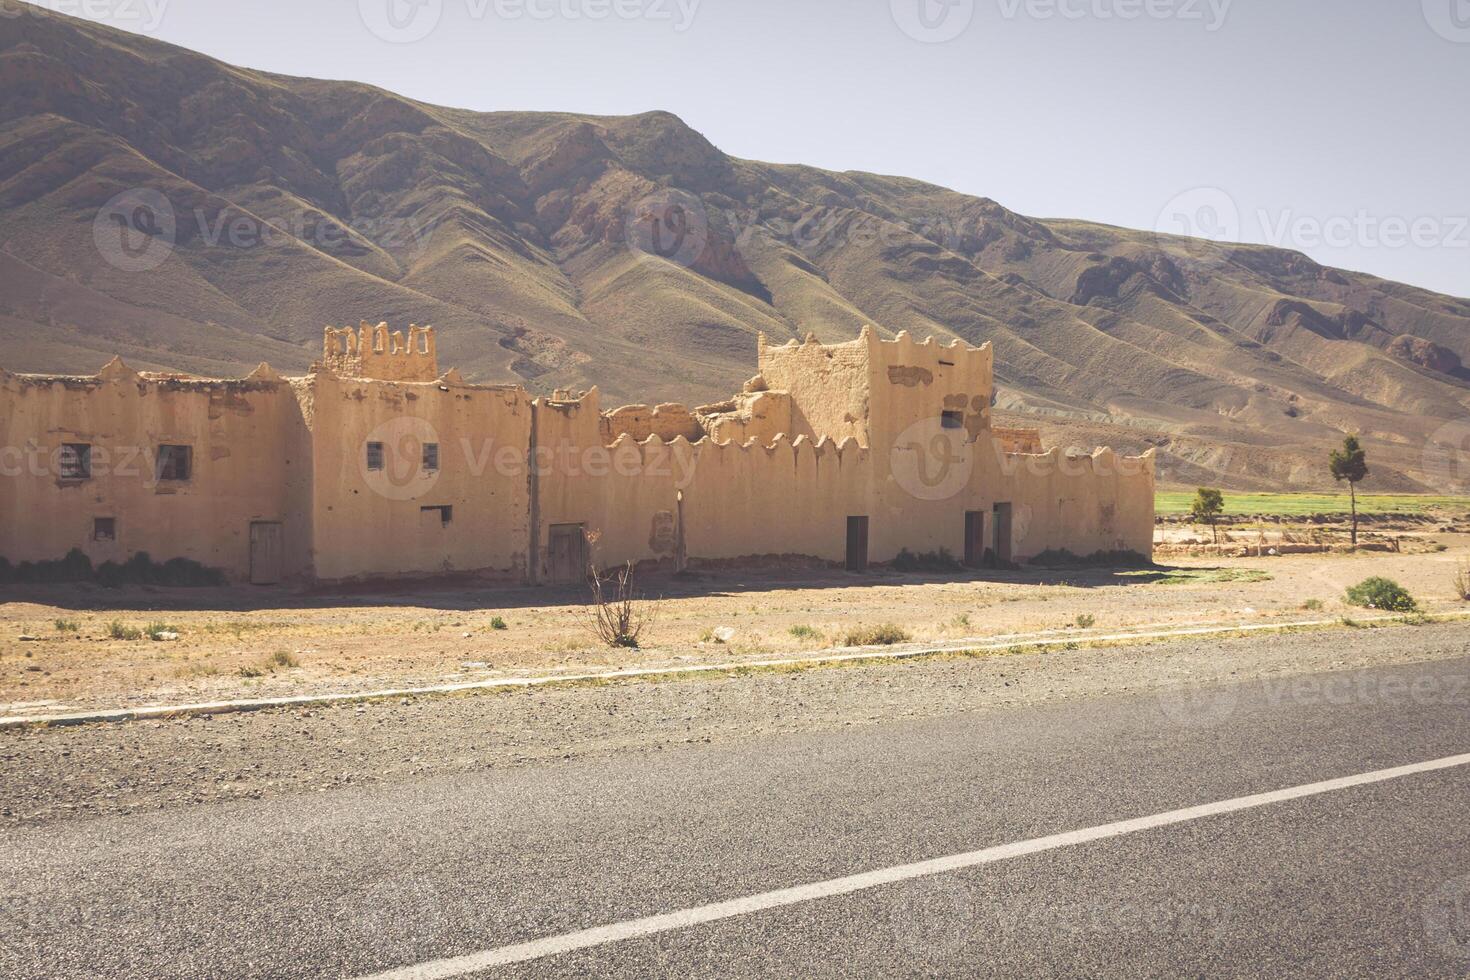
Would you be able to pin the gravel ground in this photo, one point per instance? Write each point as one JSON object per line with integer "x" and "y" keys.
{"x": 61, "y": 773}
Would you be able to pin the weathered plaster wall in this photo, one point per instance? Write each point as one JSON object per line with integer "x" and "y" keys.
{"x": 624, "y": 494}
{"x": 667, "y": 421}
{"x": 759, "y": 415}
{"x": 829, "y": 385}
{"x": 371, "y": 523}
{"x": 785, "y": 498}
{"x": 251, "y": 461}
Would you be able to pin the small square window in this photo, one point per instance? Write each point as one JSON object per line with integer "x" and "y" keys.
{"x": 104, "y": 529}
{"x": 431, "y": 457}
{"x": 952, "y": 420}
{"x": 175, "y": 463}
{"x": 375, "y": 456}
{"x": 445, "y": 514}
{"x": 75, "y": 461}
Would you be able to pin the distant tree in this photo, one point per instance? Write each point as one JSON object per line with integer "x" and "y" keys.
{"x": 1208, "y": 504}
{"x": 1350, "y": 463}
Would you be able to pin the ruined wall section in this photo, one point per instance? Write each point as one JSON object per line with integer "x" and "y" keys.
{"x": 249, "y": 457}
{"x": 751, "y": 415}
{"x": 829, "y": 385}
{"x": 667, "y": 421}
{"x": 374, "y": 352}
{"x": 384, "y": 522}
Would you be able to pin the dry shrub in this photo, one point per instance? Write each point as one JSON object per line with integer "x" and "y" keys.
{"x": 618, "y": 614}
{"x": 1462, "y": 580}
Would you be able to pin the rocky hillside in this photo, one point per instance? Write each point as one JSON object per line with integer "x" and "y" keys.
{"x": 189, "y": 214}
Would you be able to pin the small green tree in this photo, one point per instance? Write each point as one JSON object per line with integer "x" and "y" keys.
{"x": 1208, "y": 504}
{"x": 1350, "y": 463}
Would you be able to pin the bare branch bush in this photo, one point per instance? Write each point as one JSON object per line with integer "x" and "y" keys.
{"x": 618, "y": 613}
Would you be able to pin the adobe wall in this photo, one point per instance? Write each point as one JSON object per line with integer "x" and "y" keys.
{"x": 1083, "y": 504}
{"x": 370, "y": 523}
{"x": 251, "y": 462}
{"x": 625, "y": 493}
{"x": 758, "y": 415}
{"x": 666, "y": 421}
{"x": 785, "y": 498}
{"x": 828, "y": 383}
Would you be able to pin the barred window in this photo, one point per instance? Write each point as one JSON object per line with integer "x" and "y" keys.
{"x": 76, "y": 461}
{"x": 952, "y": 420}
{"x": 375, "y": 456}
{"x": 104, "y": 529}
{"x": 431, "y": 457}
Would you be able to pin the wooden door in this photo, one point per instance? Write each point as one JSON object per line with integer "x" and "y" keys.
{"x": 267, "y": 552}
{"x": 1003, "y": 535}
{"x": 568, "y": 554}
{"x": 974, "y": 538}
{"x": 857, "y": 544}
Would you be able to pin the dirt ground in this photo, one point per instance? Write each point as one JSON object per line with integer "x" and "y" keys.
{"x": 250, "y": 642}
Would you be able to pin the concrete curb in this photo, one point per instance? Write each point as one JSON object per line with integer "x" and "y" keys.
{"x": 843, "y": 655}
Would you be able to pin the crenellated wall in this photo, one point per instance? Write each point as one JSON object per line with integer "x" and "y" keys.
{"x": 374, "y": 352}
{"x": 372, "y": 476}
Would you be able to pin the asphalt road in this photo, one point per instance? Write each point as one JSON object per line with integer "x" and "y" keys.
{"x": 1371, "y": 880}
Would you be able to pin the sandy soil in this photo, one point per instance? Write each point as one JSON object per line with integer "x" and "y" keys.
{"x": 262, "y": 642}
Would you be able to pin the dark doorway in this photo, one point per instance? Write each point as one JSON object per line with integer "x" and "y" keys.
{"x": 1003, "y": 535}
{"x": 974, "y": 538}
{"x": 568, "y": 554}
{"x": 857, "y": 544}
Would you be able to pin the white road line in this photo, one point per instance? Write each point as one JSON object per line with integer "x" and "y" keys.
{"x": 634, "y": 928}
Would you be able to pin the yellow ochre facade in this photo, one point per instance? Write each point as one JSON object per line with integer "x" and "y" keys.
{"x": 375, "y": 466}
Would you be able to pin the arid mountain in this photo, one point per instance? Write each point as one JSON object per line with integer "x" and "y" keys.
{"x": 188, "y": 214}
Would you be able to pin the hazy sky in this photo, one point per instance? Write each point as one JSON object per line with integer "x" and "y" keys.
{"x": 1338, "y": 127}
